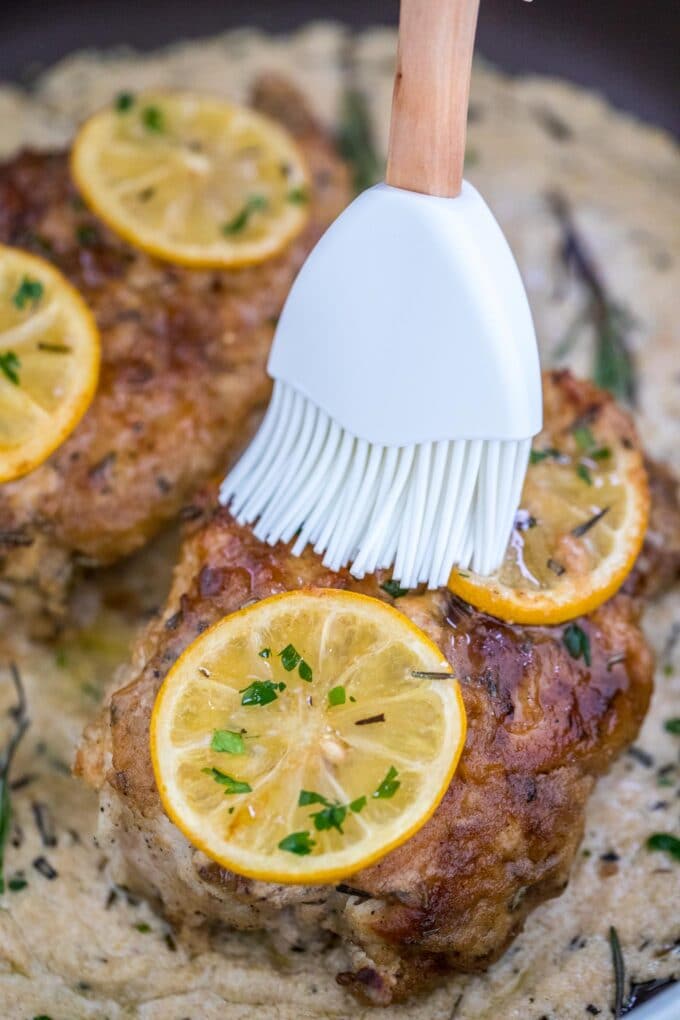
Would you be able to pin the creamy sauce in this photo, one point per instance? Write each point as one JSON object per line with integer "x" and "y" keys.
{"x": 71, "y": 946}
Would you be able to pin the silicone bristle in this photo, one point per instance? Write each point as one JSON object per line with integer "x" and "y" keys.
{"x": 421, "y": 509}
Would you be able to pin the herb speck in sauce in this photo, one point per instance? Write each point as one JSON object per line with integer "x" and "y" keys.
{"x": 124, "y": 101}
{"x": 153, "y": 119}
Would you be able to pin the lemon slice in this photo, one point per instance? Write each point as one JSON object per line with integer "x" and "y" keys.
{"x": 192, "y": 179}
{"x": 582, "y": 519}
{"x": 49, "y": 360}
{"x": 292, "y": 741}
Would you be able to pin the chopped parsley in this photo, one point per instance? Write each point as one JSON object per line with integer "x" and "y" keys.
{"x": 143, "y": 927}
{"x": 9, "y": 366}
{"x": 389, "y": 785}
{"x": 230, "y": 784}
{"x": 305, "y": 671}
{"x": 261, "y": 692}
{"x": 87, "y": 235}
{"x": 17, "y": 883}
{"x": 153, "y": 119}
{"x": 536, "y": 456}
{"x": 28, "y": 291}
{"x": 672, "y": 726}
{"x": 255, "y": 203}
{"x": 299, "y": 843}
{"x": 298, "y": 196}
{"x": 228, "y": 741}
{"x": 124, "y": 101}
{"x": 585, "y": 440}
{"x": 309, "y": 797}
{"x": 265, "y": 653}
{"x": 584, "y": 474}
{"x": 577, "y": 643}
{"x": 665, "y": 841}
{"x": 394, "y": 589}
{"x": 290, "y": 658}
{"x": 330, "y": 817}
{"x": 337, "y": 696}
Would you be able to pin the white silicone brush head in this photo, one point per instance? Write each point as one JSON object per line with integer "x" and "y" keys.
{"x": 407, "y": 390}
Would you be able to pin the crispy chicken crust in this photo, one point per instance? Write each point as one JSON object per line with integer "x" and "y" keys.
{"x": 182, "y": 382}
{"x": 541, "y": 727}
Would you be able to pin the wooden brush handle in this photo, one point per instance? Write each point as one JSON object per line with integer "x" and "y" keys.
{"x": 430, "y": 99}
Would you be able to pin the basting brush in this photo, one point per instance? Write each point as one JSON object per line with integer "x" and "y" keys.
{"x": 406, "y": 376}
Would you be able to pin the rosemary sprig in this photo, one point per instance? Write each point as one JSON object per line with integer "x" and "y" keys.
{"x": 355, "y": 140}
{"x": 20, "y": 721}
{"x": 613, "y": 365}
{"x": 619, "y": 971}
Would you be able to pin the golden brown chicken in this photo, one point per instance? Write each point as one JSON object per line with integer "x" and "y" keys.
{"x": 183, "y": 372}
{"x": 542, "y": 726}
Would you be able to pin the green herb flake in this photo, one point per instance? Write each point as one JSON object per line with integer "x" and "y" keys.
{"x": 17, "y": 883}
{"x": 255, "y": 203}
{"x": 305, "y": 671}
{"x": 230, "y": 784}
{"x": 536, "y": 456}
{"x": 600, "y": 454}
{"x": 124, "y": 101}
{"x": 666, "y": 842}
{"x": 393, "y": 589}
{"x": 227, "y": 741}
{"x": 672, "y": 726}
{"x": 389, "y": 785}
{"x": 289, "y": 658}
{"x": 153, "y": 119}
{"x": 261, "y": 692}
{"x": 298, "y": 196}
{"x": 299, "y": 843}
{"x": 358, "y": 805}
{"x": 265, "y": 653}
{"x": 584, "y": 474}
{"x": 585, "y": 440}
{"x": 310, "y": 797}
{"x": 28, "y": 292}
{"x": 143, "y": 927}
{"x": 331, "y": 817}
{"x": 577, "y": 643}
{"x": 337, "y": 696}
{"x": 87, "y": 235}
{"x": 9, "y": 366}
{"x": 352, "y": 699}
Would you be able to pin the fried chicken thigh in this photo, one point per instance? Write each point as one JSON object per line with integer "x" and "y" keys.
{"x": 182, "y": 380}
{"x": 542, "y": 726}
